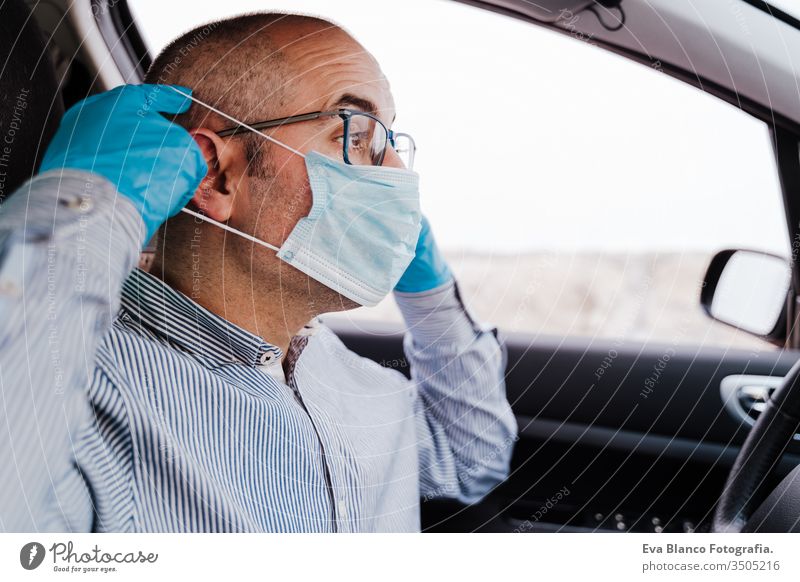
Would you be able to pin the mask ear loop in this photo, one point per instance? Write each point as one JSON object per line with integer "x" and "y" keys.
{"x": 230, "y": 229}
{"x": 262, "y": 134}
{"x": 237, "y": 122}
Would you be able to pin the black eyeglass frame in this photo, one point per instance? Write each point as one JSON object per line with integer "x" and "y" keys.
{"x": 344, "y": 114}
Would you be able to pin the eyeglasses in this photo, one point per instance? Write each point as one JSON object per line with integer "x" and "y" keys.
{"x": 364, "y": 137}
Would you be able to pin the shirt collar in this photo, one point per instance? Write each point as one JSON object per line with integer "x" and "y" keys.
{"x": 152, "y": 303}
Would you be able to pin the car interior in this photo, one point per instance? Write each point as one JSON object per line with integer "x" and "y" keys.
{"x": 707, "y": 444}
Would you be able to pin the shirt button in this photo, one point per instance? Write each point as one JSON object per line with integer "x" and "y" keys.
{"x": 82, "y": 203}
{"x": 343, "y": 507}
{"x": 266, "y": 358}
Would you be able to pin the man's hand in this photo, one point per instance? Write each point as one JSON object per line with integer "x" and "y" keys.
{"x": 428, "y": 270}
{"x": 121, "y": 136}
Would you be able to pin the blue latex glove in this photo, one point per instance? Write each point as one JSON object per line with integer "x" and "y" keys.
{"x": 121, "y": 136}
{"x": 428, "y": 269}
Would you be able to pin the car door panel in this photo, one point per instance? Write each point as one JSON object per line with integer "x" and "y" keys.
{"x": 613, "y": 435}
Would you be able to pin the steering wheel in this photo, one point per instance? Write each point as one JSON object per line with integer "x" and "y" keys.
{"x": 744, "y": 506}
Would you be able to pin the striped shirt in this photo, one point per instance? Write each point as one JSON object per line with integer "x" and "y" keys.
{"x": 126, "y": 406}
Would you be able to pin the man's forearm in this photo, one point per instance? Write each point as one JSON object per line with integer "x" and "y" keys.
{"x": 67, "y": 242}
{"x": 466, "y": 428}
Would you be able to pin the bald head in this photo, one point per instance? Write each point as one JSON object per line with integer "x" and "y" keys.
{"x": 260, "y": 66}
{"x": 249, "y": 66}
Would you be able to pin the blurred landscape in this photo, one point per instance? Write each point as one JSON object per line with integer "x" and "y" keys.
{"x": 643, "y": 297}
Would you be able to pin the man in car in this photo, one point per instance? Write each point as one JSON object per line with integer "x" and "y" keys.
{"x": 206, "y": 395}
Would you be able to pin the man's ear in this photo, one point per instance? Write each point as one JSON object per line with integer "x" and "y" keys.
{"x": 214, "y": 196}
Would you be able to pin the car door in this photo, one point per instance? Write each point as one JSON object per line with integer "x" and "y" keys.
{"x": 645, "y": 447}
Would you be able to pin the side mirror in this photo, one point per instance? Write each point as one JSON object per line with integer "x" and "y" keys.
{"x": 748, "y": 290}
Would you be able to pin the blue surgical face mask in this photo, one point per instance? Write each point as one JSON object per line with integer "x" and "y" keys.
{"x": 362, "y": 230}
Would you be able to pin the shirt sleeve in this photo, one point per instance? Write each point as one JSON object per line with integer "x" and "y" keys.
{"x": 67, "y": 242}
{"x": 465, "y": 427}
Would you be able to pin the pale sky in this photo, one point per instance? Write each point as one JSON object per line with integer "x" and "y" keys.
{"x": 531, "y": 140}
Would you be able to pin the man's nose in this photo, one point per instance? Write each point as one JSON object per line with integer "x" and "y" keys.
{"x": 392, "y": 159}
